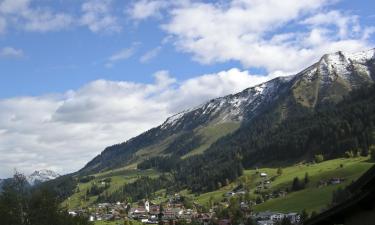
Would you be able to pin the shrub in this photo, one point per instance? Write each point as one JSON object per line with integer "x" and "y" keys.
{"x": 349, "y": 154}
{"x": 319, "y": 158}
{"x": 279, "y": 171}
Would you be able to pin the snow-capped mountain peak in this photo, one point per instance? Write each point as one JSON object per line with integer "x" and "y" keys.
{"x": 230, "y": 108}
{"x": 349, "y": 70}
{"x": 41, "y": 176}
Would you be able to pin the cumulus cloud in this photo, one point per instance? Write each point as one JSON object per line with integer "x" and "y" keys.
{"x": 97, "y": 15}
{"x": 254, "y": 32}
{"x": 10, "y": 52}
{"x": 64, "y": 131}
{"x": 22, "y": 15}
{"x": 144, "y": 9}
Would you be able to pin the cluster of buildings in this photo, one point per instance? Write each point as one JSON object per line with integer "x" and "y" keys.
{"x": 174, "y": 210}
{"x": 271, "y": 218}
{"x": 151, "y": 213}
{"x": 332, "y": 181}
{"x": 103, "y": 211}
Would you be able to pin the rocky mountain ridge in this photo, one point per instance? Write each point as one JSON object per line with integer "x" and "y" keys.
{"x": 325, "y": 82}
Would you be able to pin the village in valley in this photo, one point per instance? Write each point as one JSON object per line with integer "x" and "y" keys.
{"x": 177, "y": 209}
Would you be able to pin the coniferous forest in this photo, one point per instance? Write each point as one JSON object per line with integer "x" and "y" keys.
{"x": 21, "y": 204}
{"x": 330, "y": 132}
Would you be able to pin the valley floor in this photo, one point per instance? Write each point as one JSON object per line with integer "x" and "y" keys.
{"x": 272, "y": 192}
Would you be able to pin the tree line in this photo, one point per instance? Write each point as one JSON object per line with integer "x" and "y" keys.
{"x": 21, "y": 204}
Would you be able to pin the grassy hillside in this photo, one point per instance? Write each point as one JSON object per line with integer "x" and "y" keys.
{"x": 311, "y": 198}
{"x": 118, "y": 179}
{"x": 211, "y": 134}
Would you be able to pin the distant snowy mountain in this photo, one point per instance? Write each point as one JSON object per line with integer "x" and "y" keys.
{"x": 41, "y": 176}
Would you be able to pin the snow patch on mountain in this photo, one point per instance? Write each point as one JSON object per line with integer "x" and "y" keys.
{"x": 341, "y": 65}
{"x": 231, "y": 108}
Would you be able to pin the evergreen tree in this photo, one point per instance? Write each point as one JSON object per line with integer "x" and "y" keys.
{"x": 297, "y": 185}
{"x": 21, "y": 205}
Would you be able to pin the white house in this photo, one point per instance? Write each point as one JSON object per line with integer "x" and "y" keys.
{"x": 72, "y": 213}
{"x": 263, "y": 174}
{"x": 293, "y": 217}
{"x": 277, "y": 216}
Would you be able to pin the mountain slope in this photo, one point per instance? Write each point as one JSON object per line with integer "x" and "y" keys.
{"x": 324, "y": 83}
{"x": 333, "y": 77}
{"x": 226, "y": 111}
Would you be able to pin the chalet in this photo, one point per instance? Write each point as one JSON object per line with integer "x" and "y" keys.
{"x": 358, "y": 208}
{"x": 335, "y": 181}
{"x": 264, "y": 215}
{"x": 240, "y": 192}
{"x": 230, "y": 194}
{"x": 154, "y": 210}
{"x": 277, "y": 216}
{"x": 72, "y": 213}
{"x": 293, "y": 217}
{"x": 138, "y": 213}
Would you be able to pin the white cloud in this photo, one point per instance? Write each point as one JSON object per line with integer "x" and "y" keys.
{"x": 144, "y": 9}
{"x": 123, "y": 54}
{"x": 10, "y": 52}
{"x": 63, "y": 132}
{"x": 98, "y": 17}
{"x": 346, "y": 24}
{"x": 150, "y": 55}
{"x": 22, "y": 15}
{"x": 257, "y": 33}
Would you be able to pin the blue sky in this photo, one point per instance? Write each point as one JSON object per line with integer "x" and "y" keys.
{"x": 58, "y": 60}
{"x": 66, "y": 64}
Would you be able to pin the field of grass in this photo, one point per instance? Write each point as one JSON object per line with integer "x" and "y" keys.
{"x": 211, "y": 134}
{"x": 118, "y": 179}
{"x": 311, "y": 198}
